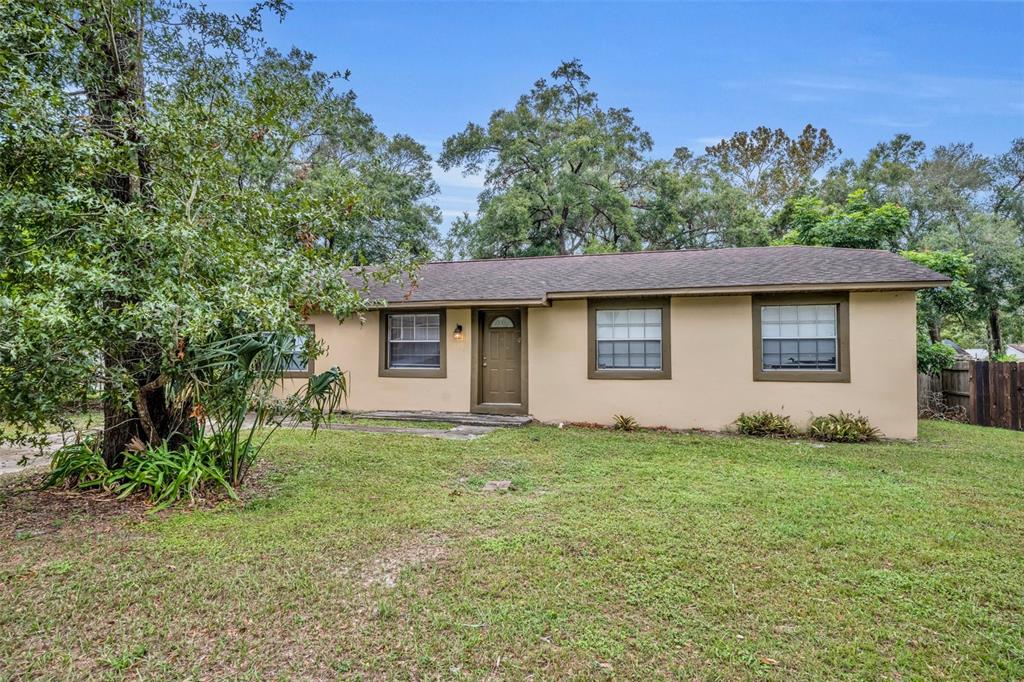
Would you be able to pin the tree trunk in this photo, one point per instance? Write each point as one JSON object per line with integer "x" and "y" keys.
{"x": 121, "y": 421}
{"x": 563, "y": 248}
{"x": 994, "y": 330}
{"x": 113, "y": 55}
{"x": 934, "y": 331}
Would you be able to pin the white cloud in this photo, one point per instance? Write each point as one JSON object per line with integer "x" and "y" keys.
{"x": 708, "y": 141}
{"x": 938, "y": 93}
{"x": 891, "y": 122}
{"x": 456, "y": 178}
{"x": 982, "y": 95}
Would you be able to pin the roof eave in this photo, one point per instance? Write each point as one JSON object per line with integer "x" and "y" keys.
{"x": 683, "y": 291}
{"x": 758, "y": 289}
{"x": 464, "y": 303}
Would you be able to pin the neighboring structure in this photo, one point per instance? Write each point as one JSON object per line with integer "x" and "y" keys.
{"x": 1013, "y": 350}
{"x": 684, "y": 339}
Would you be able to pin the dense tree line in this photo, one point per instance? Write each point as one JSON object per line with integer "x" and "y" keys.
{"x": 563, "y": 175}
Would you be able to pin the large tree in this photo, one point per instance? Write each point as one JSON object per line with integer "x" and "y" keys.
{"x": 769, "y": 165}
{"x": 161, "y": 189}
{"x": 688, "y": 206}
{"x": 561, "y": 173}
{"x": 937, "y": 188}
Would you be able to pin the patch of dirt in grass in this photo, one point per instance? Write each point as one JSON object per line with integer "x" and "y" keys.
{"x": 385, "y": 568}
{"x": 262, "y": 481}
{"x": 28, "y": 510}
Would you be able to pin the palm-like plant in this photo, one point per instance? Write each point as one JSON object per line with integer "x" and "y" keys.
{"x": 228, "y": 380}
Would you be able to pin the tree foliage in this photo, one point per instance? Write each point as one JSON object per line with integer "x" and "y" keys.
{"x": 561, "y": 172}
{"x": 769, "y": 165}
{"x": 857, "y": 224}
{"x": 935, "y": 306}
{"x": 167, "y": 182}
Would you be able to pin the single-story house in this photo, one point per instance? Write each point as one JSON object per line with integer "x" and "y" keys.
{"x": 683, "y": 339}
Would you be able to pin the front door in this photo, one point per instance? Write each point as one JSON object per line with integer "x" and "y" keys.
{"x": 501, "y": 358}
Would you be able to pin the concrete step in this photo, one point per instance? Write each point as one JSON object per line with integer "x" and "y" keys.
{"x": 465, "y": 418}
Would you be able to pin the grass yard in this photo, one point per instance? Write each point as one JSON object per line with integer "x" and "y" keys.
{"x": 641, "y": 555}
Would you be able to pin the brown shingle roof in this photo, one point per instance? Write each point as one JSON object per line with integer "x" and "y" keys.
{"x": 535, "y": 280}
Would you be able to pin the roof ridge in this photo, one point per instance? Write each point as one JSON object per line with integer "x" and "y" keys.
{"x": 654, "y": 251}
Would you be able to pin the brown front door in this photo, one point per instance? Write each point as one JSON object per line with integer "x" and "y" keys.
{"x": 501, "y": 358}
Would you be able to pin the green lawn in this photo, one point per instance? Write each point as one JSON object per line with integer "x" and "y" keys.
{"x": 616, "y": 555}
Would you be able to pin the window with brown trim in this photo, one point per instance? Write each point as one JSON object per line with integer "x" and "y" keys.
{"x": 801, "y": 337}
{"x": 629, "y": 339}
{"x": 299, "y": 364}
{"x": 412, "y": 344}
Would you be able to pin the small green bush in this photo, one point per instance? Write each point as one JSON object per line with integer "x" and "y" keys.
{"x": 765, "y": 425}
{"x": 843, "y": 428}
{"x": 169, "y": 475}
{"x": 79, "y": 465}
{"x": 164, "y": 475}
{"x": 625, "y": 423}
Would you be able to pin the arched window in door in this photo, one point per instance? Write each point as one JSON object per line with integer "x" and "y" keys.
{"x": 502, "y": 322}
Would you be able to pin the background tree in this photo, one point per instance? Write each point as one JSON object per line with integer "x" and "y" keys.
{"x": 769, "y": 165}
{"x": 997, "y": 275}
{"x": 560, "y": 172}
{"x": 854, "y": 225}
{"x": 1008, "y": 179}
{"x": 686, "y": 206}
{"x": 936, "y": 306}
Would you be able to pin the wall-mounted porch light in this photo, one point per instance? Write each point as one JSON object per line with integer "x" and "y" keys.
{"x": 457, "y": 334}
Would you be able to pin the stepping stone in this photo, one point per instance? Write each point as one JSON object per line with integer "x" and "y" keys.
{"x": 491, "y": 486}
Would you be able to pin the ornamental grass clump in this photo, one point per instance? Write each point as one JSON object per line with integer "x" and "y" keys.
{"x": 765, "y": 425}
{"x": 624, "y": 422}
{"x": 843, "y": 428}
{"x": 164, "y": 475}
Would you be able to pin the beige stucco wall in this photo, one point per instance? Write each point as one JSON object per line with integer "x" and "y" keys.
{"x": 712, "y": 368}
{"x": 354, "y": 348}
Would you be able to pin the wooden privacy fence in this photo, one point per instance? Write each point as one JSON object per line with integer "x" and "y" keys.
{"x": 997, "y": 394}
{"x": 986, "y": 393}
{"x": 948, "y": 389}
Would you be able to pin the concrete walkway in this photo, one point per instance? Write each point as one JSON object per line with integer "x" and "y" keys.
{"x": 10, "y": 456}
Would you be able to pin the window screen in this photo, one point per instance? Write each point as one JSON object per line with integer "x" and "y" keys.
{"x": 799, "y": 337}
{"x": 414, "y": 341}
{"x": 629, "y": 339}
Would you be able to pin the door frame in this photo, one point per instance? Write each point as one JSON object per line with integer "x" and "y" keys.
{"x": 475, "y": 385}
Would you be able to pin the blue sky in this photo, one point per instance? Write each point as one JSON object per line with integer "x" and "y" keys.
{"x": 691, "y": 72}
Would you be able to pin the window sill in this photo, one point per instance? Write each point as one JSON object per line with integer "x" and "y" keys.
{"x": 803, "y": 376}
{"x": 630, "y": 374}
{"x": 412, "y": 373}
